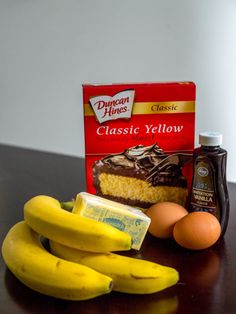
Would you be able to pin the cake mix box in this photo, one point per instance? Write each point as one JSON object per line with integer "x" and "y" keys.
{"x": 139, "y": 139}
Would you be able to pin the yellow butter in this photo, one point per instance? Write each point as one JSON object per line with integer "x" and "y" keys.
{"x": 125, "y": 218}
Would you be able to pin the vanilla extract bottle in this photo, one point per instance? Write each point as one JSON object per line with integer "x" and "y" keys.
{"x": 209, "y": 186}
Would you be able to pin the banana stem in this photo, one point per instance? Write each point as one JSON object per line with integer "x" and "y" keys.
{"x": 67, "y": 205}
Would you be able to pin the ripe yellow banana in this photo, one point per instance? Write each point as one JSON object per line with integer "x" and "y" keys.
{"x": 129, "y": 275}
{"x": 45, "y": 215}
{"x": 25, "y": 256}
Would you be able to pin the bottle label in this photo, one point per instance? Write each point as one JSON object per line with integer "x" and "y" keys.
{"x": 203, "y": 194}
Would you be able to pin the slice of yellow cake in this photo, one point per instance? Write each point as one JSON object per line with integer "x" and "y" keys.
{"x": 125, "y": 177}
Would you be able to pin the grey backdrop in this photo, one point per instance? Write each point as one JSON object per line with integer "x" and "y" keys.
{"x": 48, "y": 48}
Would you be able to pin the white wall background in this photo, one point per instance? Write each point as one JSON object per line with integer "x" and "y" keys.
{"x": 48, "y": 48}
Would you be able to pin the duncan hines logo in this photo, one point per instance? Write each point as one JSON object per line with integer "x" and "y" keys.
{"x": 111, "y": 108}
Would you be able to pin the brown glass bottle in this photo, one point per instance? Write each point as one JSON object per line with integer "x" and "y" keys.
{"x": 209, "y": 190}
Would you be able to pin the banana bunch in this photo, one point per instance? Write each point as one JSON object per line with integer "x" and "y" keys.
{"x": 80, "y": 265}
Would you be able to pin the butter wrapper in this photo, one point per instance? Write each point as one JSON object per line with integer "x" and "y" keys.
{"x": 125, "y": 218}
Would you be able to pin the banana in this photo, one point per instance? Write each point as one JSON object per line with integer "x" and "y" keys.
{"x": 45, "y": 215}
{"x": 129, "y": 275}
{"x": 27, "y": 259}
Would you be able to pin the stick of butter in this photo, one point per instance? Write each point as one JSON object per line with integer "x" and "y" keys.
{"x": 125, "y": 218}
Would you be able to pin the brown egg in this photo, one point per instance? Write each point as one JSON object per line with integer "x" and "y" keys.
{"x": 197, "y": 231}
{"x": 164, "y": 217}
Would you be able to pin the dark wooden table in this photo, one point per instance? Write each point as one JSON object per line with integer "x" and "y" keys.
{"x": 207, "y": 278}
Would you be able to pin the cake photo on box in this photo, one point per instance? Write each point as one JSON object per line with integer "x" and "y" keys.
{"x": 134, "y": 177}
